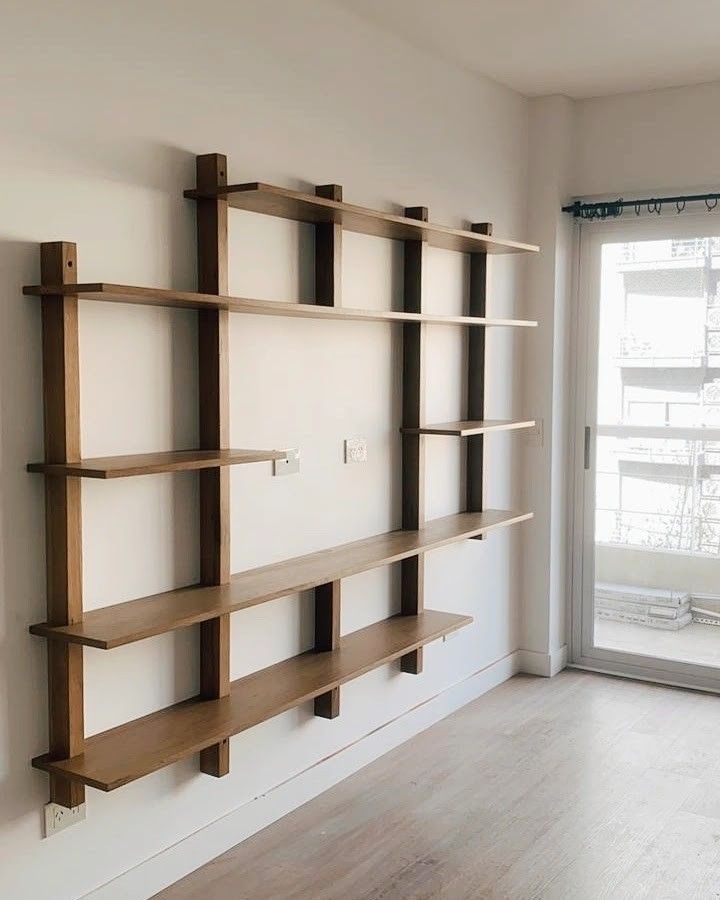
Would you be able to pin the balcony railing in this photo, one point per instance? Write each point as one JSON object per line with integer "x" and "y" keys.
{"x": 678, "y": 488}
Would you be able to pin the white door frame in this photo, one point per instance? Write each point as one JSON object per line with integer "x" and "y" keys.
{"x": 583, "y": 654}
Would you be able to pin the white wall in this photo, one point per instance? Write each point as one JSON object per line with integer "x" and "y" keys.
{"x": 645, "y": 142}
{"x": 104, "y": 108}
{"x": 547, "y": 298}
{"x": 648, "y": 141}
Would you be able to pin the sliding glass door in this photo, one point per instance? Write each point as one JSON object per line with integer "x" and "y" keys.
{"x": 647, "y": 515}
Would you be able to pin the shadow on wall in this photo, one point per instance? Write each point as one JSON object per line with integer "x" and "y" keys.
{"x": 147, "y": 165}
{"x": 23, "y": 692}
{"x": 23, "y": 671}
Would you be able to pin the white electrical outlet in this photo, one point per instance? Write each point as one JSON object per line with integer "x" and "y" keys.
{"x": 288, "y": 466}
{"x": 57, "y": 817}
{"x": 355, "y": 450}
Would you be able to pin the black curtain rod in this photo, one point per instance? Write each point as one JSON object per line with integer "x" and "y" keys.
{"x": 605, "y": 209}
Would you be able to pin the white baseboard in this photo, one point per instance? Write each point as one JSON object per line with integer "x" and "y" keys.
{"x": 178, "y": 860}
{"x": 545, "y": 664}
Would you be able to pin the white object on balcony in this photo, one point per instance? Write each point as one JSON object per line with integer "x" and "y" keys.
{"x": 644, "y": 595}
{"x": 654, "y": 607}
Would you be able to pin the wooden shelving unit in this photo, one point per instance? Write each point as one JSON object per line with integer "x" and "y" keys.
{"x": 134, "y": 620}
{"x": 204, "y": 724}
{"x": 115, "y": 757}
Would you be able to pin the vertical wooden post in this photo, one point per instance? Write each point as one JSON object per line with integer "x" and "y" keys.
{"x": 412, "y": 571}
{"x": 476, "y": 376}
{"x": 328, "y": 286}
{"x": 328, "y": 253}
{"x": 327, "y": 637}
{"x": 214, "y": 433}
{"x": 63, "y": 514}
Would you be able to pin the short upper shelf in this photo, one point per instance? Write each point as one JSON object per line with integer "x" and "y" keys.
{"x": 124, "y": 293}
{"x": 301, "y": 207}
{"x": 153, "y": 463}
{"x": 134, "y": 620}
{"x": 115, "y": 757}
{"x": 467, "y": 428}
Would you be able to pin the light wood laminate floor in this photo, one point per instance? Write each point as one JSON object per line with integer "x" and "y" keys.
{"x": 578, "y": 787}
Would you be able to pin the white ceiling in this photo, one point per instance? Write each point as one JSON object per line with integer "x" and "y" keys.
{"x": 580, "y": 48}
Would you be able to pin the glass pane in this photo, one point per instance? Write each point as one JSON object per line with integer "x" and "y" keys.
{"x": 657, "y": 490}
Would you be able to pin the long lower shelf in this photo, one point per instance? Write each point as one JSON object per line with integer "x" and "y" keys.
{"x": 115, "y": 757}
{"x": 123, "y": 623}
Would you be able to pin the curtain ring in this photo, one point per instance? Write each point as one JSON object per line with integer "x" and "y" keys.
{"x": 711, "y": 204}
{"x": 637, "y": 209}
{"x": 658, "y": 207}
{"x": 680, "y": 205}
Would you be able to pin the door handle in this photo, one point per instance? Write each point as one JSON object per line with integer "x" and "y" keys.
{"x": 587, "y": 446}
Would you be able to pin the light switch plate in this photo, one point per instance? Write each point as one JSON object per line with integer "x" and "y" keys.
{"x": 355, "y": 450}
{"x": 288, "y": 466}
{"x": 57, "y": 817}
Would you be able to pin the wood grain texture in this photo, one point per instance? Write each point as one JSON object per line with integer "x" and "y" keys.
{"x": 154, "y": 463}
{"x": 412, "y": 603}
{"x": 63, "y": 511}
{"x": 212, "y": 225}
{"x": 123, "y": 623}
{"x": 328, "y": 253}
{"x": 412, "y": 572}
{"x": 465, "y": 428}
{"x": 128, "y": 752}
{"x": 214, "y": 435}
{"x": 214, "y": 684}
{"x": 578, "y": 787}
{"x": 327, "y": 637}
{"x": 474, "y": 446}
{"x": 328, "y": 286}
{"x": 123, "y": 293}
{"x": 271, "y": 200}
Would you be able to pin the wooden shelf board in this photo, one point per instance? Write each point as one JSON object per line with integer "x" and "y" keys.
{"x": 123, "y": 623}
{"x": 115, "y": 757}
{"x": 288, "y": 204}
{"x": 466, "y": 428}
{"x": 152, "y": 463}
{"x": 123, "y": 293}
